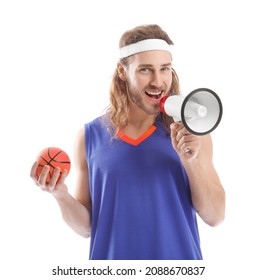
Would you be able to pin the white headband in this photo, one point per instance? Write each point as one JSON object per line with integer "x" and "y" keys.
{"x": 143, "y": 46}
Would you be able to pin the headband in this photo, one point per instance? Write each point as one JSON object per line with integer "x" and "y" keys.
{"x": 143, "y": 46}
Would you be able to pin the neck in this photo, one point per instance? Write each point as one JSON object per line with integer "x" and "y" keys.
{"x": 137, "y": 118}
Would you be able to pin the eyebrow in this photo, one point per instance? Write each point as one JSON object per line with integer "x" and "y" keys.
{"x": 151, "y": 65}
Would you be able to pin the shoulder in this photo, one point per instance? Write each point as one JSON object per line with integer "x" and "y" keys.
{"x": 80, "y": 142}
{"x": 93, "y": 123}
{"x": 99, "y": 123}
{"x": 79, "y": 148}
{"x": 98, "y": 129}
{"x": 80, "y": 138}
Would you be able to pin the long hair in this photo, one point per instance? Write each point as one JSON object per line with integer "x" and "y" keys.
{"x": 117, "y": 112}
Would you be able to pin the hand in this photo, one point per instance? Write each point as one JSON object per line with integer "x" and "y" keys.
{"x": 186, "y": 144}
{"x": 56, "y": 183}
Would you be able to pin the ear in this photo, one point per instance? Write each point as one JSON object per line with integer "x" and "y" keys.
{"x": 121, "y": 72}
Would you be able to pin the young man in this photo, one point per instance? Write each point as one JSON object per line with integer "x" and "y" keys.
{"x": 141, "y": 178}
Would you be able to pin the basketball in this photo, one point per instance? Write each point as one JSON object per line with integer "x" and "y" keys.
{"x": 54, "y": 157}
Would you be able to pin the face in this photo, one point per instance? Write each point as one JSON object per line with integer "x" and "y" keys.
{"x": 149, "y": 78}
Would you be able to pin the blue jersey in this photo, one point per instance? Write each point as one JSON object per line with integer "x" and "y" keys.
{"x": 141, "y": 200}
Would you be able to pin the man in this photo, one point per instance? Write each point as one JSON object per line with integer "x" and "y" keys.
{"x": 141, "y": 178}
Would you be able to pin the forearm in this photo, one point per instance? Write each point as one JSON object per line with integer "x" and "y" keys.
{"x": 208, "y": 196}
{"x": 76, "y": 215}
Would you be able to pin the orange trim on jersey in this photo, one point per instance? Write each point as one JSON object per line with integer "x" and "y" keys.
{"x": 136, "y": 142}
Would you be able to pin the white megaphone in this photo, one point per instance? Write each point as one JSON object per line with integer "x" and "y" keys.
{"x": 200, "y": 111}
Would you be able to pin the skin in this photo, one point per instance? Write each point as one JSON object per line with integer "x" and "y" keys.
{"x": 148, "y": 72}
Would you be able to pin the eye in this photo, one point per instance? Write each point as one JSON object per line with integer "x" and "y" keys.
{"x": 145, "y": 70}
{"x": 166, "y": 69}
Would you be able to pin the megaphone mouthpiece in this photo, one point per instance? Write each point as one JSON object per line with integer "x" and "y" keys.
{"x": 162, "y": 101}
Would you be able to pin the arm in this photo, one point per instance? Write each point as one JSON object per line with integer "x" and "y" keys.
{"x": 208, "y": 195}
{"x": 76, "y": 211}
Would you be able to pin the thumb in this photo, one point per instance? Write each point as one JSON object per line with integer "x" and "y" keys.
{"x": 173, "y": 127}
{"x": 173, "y": 131}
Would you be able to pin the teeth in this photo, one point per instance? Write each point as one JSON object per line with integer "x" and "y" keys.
{"x": 154, "y": 93}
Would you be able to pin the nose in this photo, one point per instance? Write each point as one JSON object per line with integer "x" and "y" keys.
{"x": 156, "y": 80}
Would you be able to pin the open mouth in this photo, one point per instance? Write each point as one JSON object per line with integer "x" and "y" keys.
{"x": 154, "y": 95}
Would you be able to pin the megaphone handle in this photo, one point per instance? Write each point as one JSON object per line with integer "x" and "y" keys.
{"x": 186, "y": 150}
{"x": 176, "y": 119}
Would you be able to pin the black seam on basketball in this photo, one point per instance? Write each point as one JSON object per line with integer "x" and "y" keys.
{"x": 47, "y": 162}
{"x": 61, "y": 161}
{"x": 44, "y": 159}
{"x": 52, "y": 158}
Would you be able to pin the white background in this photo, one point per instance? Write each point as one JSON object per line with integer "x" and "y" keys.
{"x": 56, "y": 62}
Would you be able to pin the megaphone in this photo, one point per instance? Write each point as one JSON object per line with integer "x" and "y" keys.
{"x": 200, "y": 111}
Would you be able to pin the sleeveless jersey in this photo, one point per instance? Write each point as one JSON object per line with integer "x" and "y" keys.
{"x": 141, "y": 200}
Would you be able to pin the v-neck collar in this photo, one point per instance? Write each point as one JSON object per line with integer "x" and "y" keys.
{"x": 140, "y": 139}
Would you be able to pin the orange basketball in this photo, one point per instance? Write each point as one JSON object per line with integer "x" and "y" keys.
{"x": 54, "y": 157}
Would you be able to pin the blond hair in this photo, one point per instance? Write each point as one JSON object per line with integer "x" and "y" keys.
{"x": 117, "y": 112}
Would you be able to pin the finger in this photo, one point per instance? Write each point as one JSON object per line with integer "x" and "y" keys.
{"x": 33, "y": 170}
{"x": 186, "y": 139}
{"x": 187, "y": 150}
{"x": 173, "y": 126}
{"x": 173, "y": 136}
{"x": 62, "y": 177}
{"x": 192, "y": 146}
{"x": 42, "y": 180}
{"x": 179, "y": 126}
{"x": 181, "y": 133}
{"x": 54, "y": 179}
{"x": 173, "y": 129}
